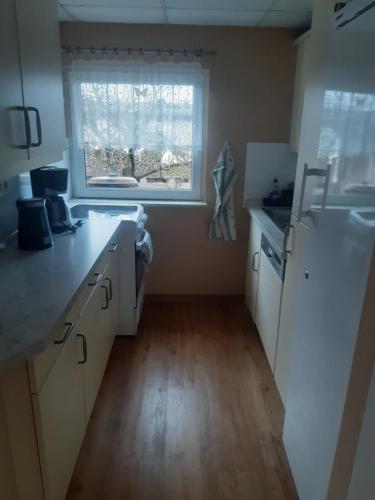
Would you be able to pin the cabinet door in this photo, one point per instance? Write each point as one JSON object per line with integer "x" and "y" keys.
{"x": 94, "y": 331}
{"x": 112, "y": 312}
{"x": 288, "y": 307}
{"x": 12, "y": 124}
{"x": 268, "y": 307}
{"x": 60, "y": 420}
{"x": 252, "y": 269}
{"x": 42, "y": 76}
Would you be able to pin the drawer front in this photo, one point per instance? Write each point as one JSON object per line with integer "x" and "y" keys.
{"x": 95, "y": 276}
{"x": 41, "y": 364}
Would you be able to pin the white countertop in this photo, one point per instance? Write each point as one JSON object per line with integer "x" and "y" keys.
{"x": 36, "y": 288}
{"x": 271, "y": 231}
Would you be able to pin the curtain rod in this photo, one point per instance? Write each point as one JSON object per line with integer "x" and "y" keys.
{"x": 140, "y": 51}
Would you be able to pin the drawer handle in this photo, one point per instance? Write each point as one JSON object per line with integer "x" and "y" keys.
{"x": 97, "y": 279}
{"x": 110, "y": 287}
{"x": 84, "y": 348}
{"x": 253, "y": 268}
{"x": 38, "y": 127}
{"x": 27, "y": 127}
{"x": 70, "y": 325}
{"x": 313, "y": 172}
{"x": 114, "y": 248}
{"x": 107, "y": 299}
{"x": 287, "y": 229}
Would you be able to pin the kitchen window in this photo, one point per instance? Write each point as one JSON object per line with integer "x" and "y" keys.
{"x": 137, "y": 129}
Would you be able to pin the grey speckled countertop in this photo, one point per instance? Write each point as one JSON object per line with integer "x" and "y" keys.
{"x": 269, "y": 228}
{"x": 36, "y": 288}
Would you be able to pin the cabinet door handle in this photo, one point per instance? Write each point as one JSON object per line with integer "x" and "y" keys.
{"x": 113, "y": 248}
{"x": 313, "y": 172}
{"x": 110, "y": 287}
{"x": 106, "y": 297}
{"x": 97, "y": 279}
{"x": 38, "y": 126}
{"x": 287, "y": 229}
{"x": 27, "y": 127}
{"x": 70, "y": 325}
{"x": 253, "y": 268}
{"x": 84, "y": 348}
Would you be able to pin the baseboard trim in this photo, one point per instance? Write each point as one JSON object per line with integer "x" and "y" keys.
{"x": 155, "y": 297}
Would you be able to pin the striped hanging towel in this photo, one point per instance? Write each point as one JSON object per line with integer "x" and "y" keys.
{"x": 224, "y": 176}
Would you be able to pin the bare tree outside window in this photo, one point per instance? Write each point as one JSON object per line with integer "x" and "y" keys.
{"x": 149, "y": 166}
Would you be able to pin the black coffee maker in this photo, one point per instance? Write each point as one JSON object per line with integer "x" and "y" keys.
{"x": 34, "y": 232}
{"x": 50, "y": 182}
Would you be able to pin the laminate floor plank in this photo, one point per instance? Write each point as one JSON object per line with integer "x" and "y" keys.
{"x": 187, "y": 410}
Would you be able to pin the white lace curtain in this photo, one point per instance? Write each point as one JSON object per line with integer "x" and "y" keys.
{"x": 133, "y": 104}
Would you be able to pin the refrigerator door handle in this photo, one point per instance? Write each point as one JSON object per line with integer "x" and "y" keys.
{"x": 313, "y": 172}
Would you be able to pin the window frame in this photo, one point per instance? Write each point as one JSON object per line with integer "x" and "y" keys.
{"x": 199, "y": 162}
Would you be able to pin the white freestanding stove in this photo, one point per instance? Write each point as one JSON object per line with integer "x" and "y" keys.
{"x": 132, "y": 265}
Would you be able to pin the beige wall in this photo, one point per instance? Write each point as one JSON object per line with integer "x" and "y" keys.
{"x": 250, "y": 99}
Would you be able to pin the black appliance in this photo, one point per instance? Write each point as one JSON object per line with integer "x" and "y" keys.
{"x": 34, "y": 231}
{"x": 50, "y": 182}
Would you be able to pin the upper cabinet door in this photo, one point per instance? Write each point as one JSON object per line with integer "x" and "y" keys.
{"x": 13, "y": 140}
{"x": 42, "y": 77}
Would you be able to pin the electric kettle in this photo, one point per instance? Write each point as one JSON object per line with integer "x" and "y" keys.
{"x": 34, "y": 232}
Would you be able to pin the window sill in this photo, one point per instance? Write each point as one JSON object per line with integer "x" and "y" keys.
{"x": 150, "y": 203}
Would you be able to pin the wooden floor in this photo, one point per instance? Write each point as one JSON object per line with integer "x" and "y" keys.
{"x": 187, "y": 410}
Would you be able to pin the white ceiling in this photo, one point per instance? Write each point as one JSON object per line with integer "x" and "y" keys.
{"x": 274, "y": 13}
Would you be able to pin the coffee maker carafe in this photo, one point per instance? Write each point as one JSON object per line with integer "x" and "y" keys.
{"x": 50, "y": 182}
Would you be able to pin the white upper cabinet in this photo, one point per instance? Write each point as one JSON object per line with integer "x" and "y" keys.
{"x": 13, "y": 141}
{"x": 31, "y": 100}
{"x": 303, "y": 46}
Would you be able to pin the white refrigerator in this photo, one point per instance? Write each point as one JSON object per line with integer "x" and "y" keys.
{"x": 332, "y": 356}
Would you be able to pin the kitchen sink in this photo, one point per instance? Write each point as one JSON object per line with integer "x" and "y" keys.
{"x": 280, "y": 216}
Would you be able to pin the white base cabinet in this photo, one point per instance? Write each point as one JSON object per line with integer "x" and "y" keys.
{"x": 60, "y": 415}
{"x": 97, "y": 329}
{"x": 268, "y": 307}
{"x": 252, "y": 268}
{"x": 60, "y": 385}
